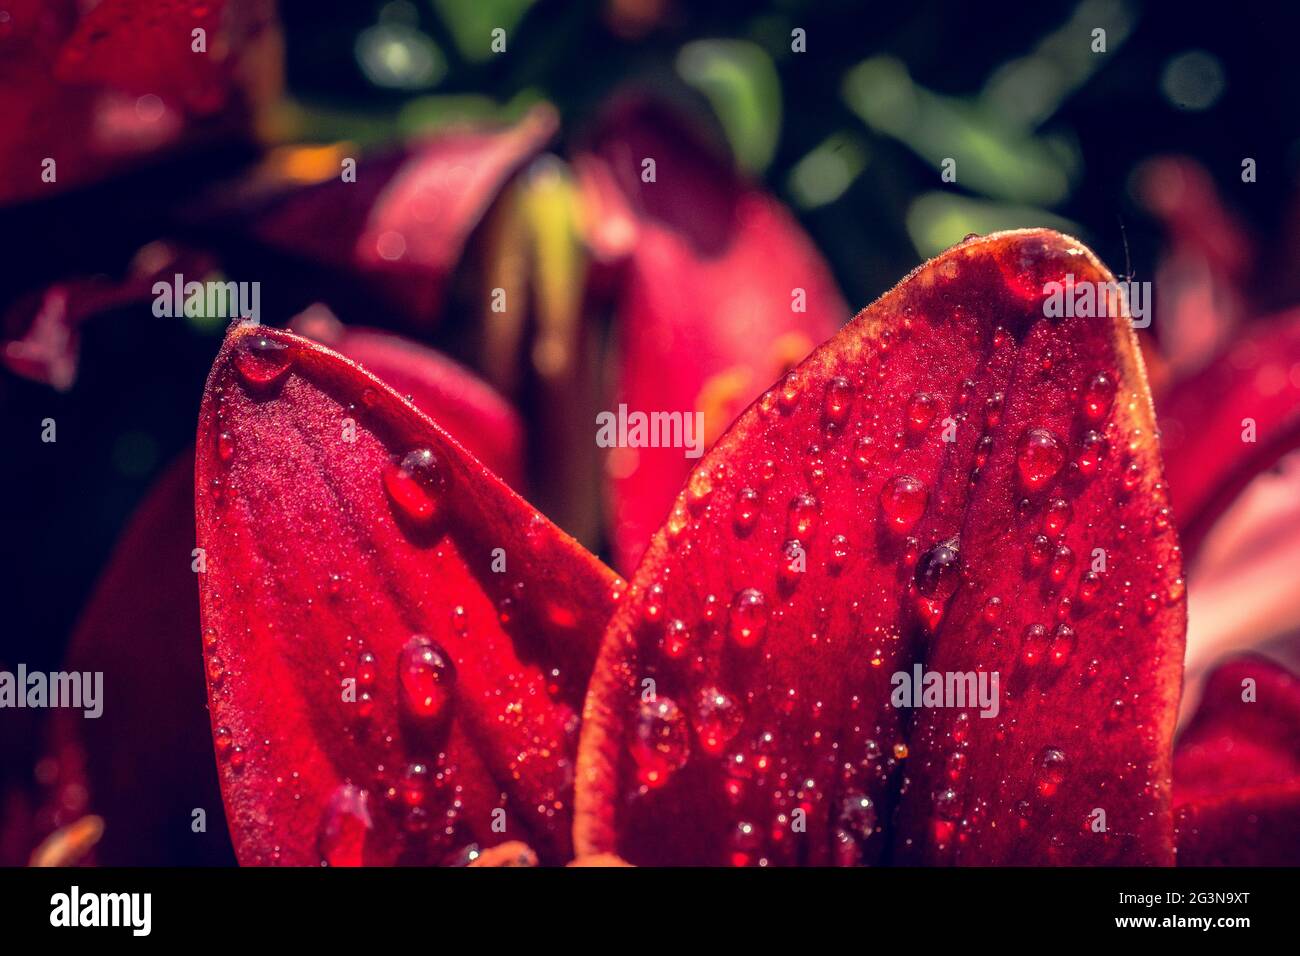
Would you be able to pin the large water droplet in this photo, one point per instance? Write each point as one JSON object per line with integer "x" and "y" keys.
{"x": 744, "y": 512}
{"x": 839, "y": 400}
{"x": 345, "y": 827}
{"x": 748, "y": 621}
{"x": 1097, "y": 396}
{"x": 660, "y": 744}
{"x": 920, "y": 412}
{"x": 1039, "y": 457}
{"x": 801, "y": 520}
{"x": 427, "y": 678}
{"x": 903, "y": 501}
{"x": 262, "y": 361}
{"x": 417, "y": 486}
{"x": 718, "y": 718}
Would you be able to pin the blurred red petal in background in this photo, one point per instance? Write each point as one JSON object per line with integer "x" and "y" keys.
{"x": 723, "y": 292}
{"x": 1237, "y": 770}
{"x": 97, "y": 87}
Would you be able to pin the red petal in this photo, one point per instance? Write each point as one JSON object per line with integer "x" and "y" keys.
{"x": 402, "y": 225}
{"x": 1204, "y": 422}
{"x": 312, "y": 565}
{"x": 142, "y": 629}
{"x": 1237, "y": 770}
{"x": 462, "y": 404}
{"x": 43, "y": 330}
{"x": 72, "y": 83}
{"x": 778, "y": 699}
{"x": 706, "y": 312}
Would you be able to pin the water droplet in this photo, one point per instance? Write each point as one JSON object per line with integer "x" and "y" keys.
{"x": 744, "y": 512}
{"x": 718, "y": 718}
{"x": 367, "y": 670}
{"x": 679, "y": 520}
{"x": 341, "y": 840}
{"x": 426, "y": 677}
{"x": 1050, "y": 768}
{"x": 937, "y": 566}
{"x": 936, "y": 580}
{"x": 660, "y": 744}
{"x": 982, "y": 449}
{"x": 653, "y": 608}
{"x": 1038, "y": 458}
{"x": 225, "y": 446}
{"x": 1040, "y": 549}
{"x": 1057, "y": 517}
{"x": 864, "y": 455}
{"x": 748, "y": 621}
{"x": 1034, "y": 647}
{"x": 1062, "y": 562}
{"x": 262, "y": 361}
{"x": 1089, "y": 584}
{"x": 903, "y": 500}
{"x": 993, "y": 610}
{"x": 801, "y": 520}
{"x": 1063, "y": 642}
{"x": 216, "y": 670}
{"x": 839, "y": 553}
{"x": 993, "y": 409}
{"x": 920, "y": 412}
{"x": 839, "y": 400}
{"x": 676, "y": 639}
{"x": 791, "y": 386}
{"x": 1097, "y": 396}
{"x": 1092, "y": 449}
{"x": 793, "y": 563}
{"x": 417, "y": 486}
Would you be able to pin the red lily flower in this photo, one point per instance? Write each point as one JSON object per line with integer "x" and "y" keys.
{"x": 406, "y": 662}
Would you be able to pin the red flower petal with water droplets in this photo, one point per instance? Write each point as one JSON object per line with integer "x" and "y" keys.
{"x": 352, "y": 549}
{"x": 402, "y": 225}
{"x": 142, "y": 628}
{"x": 1237, "y": 770}
{"x": 773, "y": 619}
{"x": 723, "y": 292}
{"x": 1230, "y": 421}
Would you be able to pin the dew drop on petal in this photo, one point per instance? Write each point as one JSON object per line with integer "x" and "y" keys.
{"x": 718, "y": 718}
{"x": 748, "y": 621}
{"x": 426, "y": 677}
{"x": 660, "y": 741}
{"x": 1039, "y": 457}
{"x": 903, "y": 500}
{"x": 345, "y": 827}
{"x": 262, "y": 361}
{"x": 417, "y": 486}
